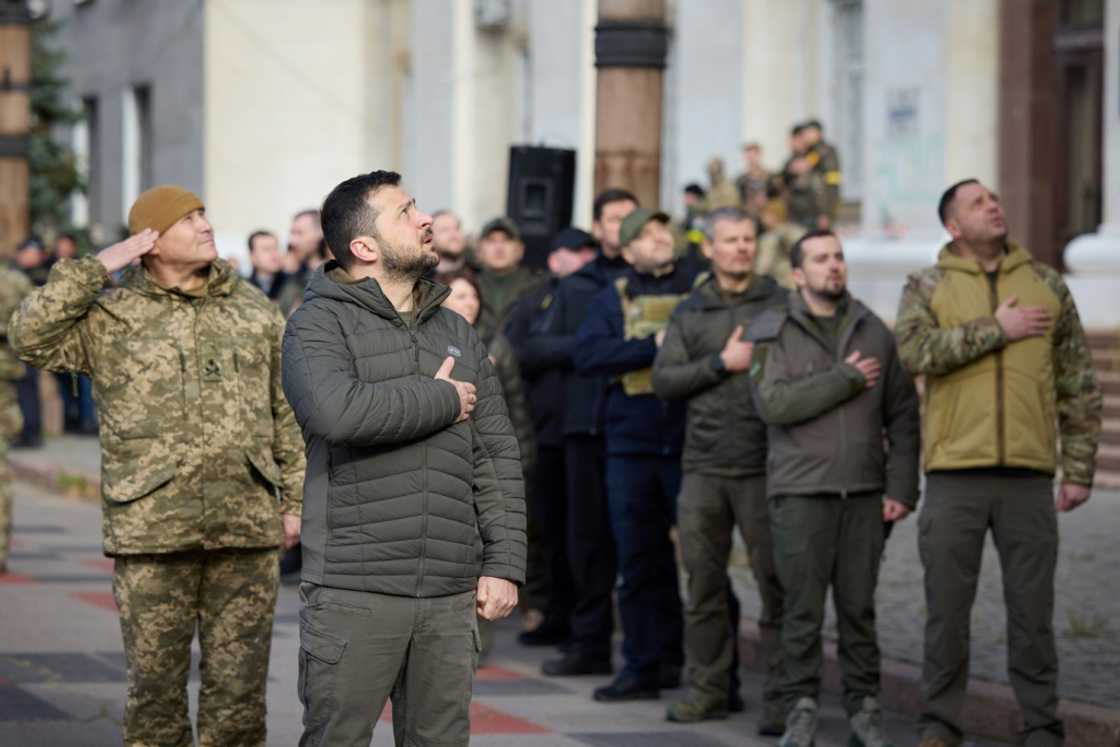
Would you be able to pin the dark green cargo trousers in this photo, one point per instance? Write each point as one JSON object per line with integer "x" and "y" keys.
{"x": 820, "y": 541}
{"x": 959, "y": 509}
{"x": 708, "y": 510}
{"x": 358, "y": 650}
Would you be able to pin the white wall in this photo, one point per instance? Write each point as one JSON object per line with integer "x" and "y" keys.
{"x": 299, "y": 96}
{"x": 704, "y": 96}
{"x": 778, "y": 55}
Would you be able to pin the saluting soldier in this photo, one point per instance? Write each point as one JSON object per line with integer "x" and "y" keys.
{"x": 14, "y": 285}
{"x": 201, "y": 459}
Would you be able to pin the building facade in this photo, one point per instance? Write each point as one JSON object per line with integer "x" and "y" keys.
{"x": 263, "y": 105}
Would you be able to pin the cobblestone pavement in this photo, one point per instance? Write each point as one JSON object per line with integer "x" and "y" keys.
{"x": 1086, "y": 620}
{"x": 62, "y": 679}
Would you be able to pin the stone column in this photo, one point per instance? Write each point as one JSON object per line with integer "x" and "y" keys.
{"x": 1026, "y": 123}
{"x": 631, "y": 42}
{"x": 15, "y": 123}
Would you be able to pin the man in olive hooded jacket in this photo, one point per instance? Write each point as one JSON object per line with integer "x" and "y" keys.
{"x": 843, "y": 462}
{"x": 415, "y": 516}
{"x": 1008, "y": 379}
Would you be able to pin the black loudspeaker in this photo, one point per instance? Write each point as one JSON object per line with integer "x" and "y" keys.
{"x": 541, "y": 190}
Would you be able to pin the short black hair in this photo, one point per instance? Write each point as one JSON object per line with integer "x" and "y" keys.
{"x": 797, "y": 129}
{"x": 606, "y": 197}
{"x": 256, "y": 235}
{"x": 814, "y": 124}
{"x": 948, "y": 196}
{"x": 797, "y": 253}
{"x": 346, "y": 214}
{"x": 694, "y": 189}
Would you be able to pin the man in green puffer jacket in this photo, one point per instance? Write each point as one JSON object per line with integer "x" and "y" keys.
{"x": 414, "y": 513}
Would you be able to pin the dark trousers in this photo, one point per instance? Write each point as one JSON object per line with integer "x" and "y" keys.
{"x": 27, "y": 389}
{"x": 77, "y": 407}
{"x": 591, "y": 551}
{"x": 957, "y": 513}
{"x": 358, "y": 650}
{"x": 548, "y": 511}
{"x": 710, "y": 509}
{"x": 822, "y": 541}
{"x": 642, "y": 493}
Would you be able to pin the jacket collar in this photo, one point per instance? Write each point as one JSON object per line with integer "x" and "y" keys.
{"x": 852, "y": 310}
{"x": 711, "y": 298}
{"x": 221, "y": 282}
{"x": 332, "y": 281}
{"x": 949, "y": 258}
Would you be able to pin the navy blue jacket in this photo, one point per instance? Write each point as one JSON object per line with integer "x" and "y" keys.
{"x": 584, "y": 394}
{"x": 531, "y": 327}
{"x": 641, "y": 424}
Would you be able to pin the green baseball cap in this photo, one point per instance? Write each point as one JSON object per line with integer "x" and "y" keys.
{"x": 633, "y": 223}
{"x": 503, "y": 224}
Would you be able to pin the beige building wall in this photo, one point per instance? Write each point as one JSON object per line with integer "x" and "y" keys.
{"x": 298, "y": 97}
{"x": 971, "y": 85}
{"x": 780, "y": 49}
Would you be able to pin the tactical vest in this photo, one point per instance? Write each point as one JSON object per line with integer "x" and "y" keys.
{"x": 643, "y": 316}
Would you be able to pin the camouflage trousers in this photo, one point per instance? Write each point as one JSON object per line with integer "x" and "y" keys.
{"x": 230, "y": 595}
{"x": 5, "y": 503}
{"x": 11, "y": 420}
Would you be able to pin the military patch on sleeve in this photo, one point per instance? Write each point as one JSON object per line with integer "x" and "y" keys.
{"x": 758, "y": 362}
{"x": 454, "y": 351}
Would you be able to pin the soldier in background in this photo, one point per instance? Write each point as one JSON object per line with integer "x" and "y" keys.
{"x": 721, "y": 192}
{"x": 753, "y": 182}
{"x": 797, "y": 178}
{"x": 14, "y": 285}
{"x": 825, "y": 163}
{"x": 202, "y": 461}
{"x": 503, "y": 279}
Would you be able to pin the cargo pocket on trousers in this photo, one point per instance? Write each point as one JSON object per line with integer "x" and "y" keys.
{"x": 319, "y": 653}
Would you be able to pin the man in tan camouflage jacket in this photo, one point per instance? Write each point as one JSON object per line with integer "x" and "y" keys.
{"x": 1010, "y": 395}
{"x": 201, "y": 460}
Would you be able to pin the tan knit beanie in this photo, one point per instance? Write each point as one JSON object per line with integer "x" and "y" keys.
{"x": 161, "y": 207}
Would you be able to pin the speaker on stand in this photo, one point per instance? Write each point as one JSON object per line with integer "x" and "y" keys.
{"x": 540, "y": 195}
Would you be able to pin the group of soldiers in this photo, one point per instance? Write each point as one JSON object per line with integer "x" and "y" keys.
{"x": 804, "y": 195}
{"x": 664, "y": 397}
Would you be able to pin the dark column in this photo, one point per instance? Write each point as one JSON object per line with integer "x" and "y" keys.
{"x": 1028, "y": 124}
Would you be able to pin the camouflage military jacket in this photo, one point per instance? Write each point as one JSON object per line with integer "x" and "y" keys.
{"x": 14, "y": 285}
{"x": 199, "y": 448}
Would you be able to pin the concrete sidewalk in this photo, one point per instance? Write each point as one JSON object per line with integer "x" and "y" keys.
{"x": 62, "y": 678}
{"x": 1085, "y": 622}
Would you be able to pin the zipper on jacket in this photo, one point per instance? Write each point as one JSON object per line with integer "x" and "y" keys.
{"x": 424, "y": 488}
{"x": 1001, "y": 446}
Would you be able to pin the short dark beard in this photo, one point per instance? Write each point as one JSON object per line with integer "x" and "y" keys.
{"x": 412, "y": 268}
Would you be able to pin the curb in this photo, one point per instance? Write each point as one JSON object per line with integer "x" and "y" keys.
{"x": 991, "y": 711}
